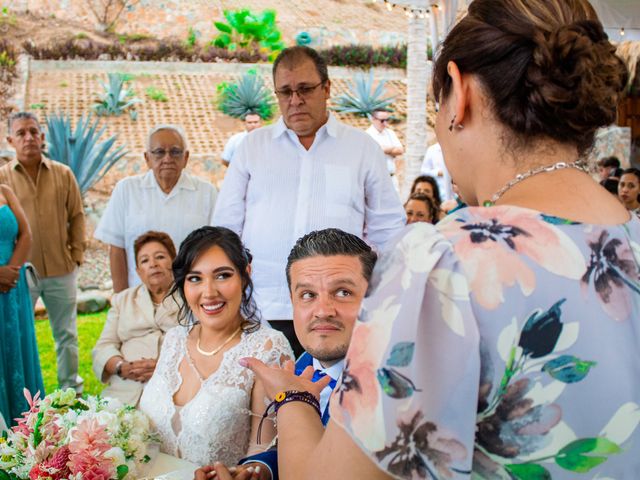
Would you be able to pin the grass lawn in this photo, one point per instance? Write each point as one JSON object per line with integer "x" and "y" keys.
{"x": 89, "y": 329}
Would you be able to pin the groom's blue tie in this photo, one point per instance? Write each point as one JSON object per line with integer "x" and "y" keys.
{"x": 318, "y": 374}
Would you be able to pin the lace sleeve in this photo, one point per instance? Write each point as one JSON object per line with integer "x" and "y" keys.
{"x": 275, "y": 349}
{"x": 169, "y": 349}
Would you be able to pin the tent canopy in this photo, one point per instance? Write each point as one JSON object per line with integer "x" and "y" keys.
{"x": 616, "y": 15}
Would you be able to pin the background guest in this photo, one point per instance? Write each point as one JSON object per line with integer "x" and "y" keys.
{"x": 609, "y": 167}
{"x": 126, "y": 352}
{"x": 629, "y": 190}
{"x": 251, "y": 121}
{"x": 165, "y": 199}
{"x": 306, "y": 172}
{"x": 50, "y": 196}
{"x": 611, "y": 185}
{"x": 433, "y": 165}
{"x": 504, "y": 342}
{"x": 19, "y": 361}
{"x": 205, "y": 406}
{"x": 428, "y": 186}
{"x": 421, "y": 208}
{"x": 386, "y": 138}
{"x": 455, "y": 204}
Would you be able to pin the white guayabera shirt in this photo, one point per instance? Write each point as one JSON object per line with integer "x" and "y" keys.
{"x": 232, "y": 145}
{"x": 276, "y": 191}
{"x": 386, "y": 138}
{"x": 138, "y": 205}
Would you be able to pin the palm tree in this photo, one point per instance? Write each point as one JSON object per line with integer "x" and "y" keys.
{"x": 441, "y": 18}
{"x": 418, "y": 75}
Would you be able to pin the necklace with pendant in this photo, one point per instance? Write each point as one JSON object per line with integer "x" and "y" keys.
{"x": 578, "y": 165}
{"x": 217, "y": 349}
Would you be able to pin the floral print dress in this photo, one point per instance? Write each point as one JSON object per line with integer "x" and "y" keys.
{"x": 501, "y": 344}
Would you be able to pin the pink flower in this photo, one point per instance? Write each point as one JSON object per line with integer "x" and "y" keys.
{"x": 92, "y": 467}
{"x": 23, "y": 425}
{"x": 358, "y": 396}
{"x": 89, "y": 443}
{"x": 53, "y": 469}
{"x": 89, "y": 436}
{"x": 494, "y": 243}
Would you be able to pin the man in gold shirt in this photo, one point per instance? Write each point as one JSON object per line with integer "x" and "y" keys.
{"x": 50, "y": 196}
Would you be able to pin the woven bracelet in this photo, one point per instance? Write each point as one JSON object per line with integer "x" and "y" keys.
{"x": 283, "y": 398}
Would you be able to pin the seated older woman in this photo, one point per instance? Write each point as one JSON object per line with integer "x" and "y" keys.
{"x": 126, "y": 353}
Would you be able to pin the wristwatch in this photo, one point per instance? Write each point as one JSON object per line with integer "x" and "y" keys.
{"x": 119, "y": 368}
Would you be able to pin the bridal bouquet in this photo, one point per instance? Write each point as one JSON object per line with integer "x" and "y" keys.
{"x": 63, "y": 437}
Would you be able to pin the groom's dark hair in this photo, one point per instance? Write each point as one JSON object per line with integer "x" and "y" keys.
{"x": 329, "y": 242}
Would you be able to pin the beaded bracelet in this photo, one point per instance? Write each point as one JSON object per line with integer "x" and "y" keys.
{"x": 283, "y": 398}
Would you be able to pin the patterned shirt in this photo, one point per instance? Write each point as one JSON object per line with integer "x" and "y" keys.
{"x": 501, "y": 344}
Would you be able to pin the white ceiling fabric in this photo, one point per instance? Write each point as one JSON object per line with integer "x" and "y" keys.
{"x": 618, "y": 14}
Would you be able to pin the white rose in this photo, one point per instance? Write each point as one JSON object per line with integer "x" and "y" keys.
{"x": 117, "y": 455}
{"x": 108, "y": 420}
{"x": 112, "y": 404}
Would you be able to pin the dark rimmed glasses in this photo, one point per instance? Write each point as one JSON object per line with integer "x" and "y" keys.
{"x": 303, "y": 91}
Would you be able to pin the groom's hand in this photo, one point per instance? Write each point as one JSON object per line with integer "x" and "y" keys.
{"x": 218, "y": 471}
{"x": 203, "y": 473}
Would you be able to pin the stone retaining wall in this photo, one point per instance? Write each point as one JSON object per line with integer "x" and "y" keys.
{"x": 329, "y": 22}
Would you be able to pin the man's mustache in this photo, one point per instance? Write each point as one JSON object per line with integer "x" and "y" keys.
{"x": 326, "y": 321}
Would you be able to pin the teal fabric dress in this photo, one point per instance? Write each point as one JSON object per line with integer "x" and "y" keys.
{"x": 19, "y": 361}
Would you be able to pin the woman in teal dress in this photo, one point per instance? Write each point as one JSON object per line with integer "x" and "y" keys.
{"x": 19, "y": 362}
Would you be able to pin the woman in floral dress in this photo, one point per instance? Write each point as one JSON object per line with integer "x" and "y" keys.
{"x": 502, "y": 343}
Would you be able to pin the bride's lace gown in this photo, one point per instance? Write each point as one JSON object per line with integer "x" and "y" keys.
{"x": 215, "y": 424}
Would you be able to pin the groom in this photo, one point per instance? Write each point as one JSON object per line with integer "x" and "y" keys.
{"x": 328, "y": 272}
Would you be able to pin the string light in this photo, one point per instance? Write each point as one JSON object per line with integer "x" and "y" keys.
{"x": 408, "y": 11}
{"x": 622, "y": 32}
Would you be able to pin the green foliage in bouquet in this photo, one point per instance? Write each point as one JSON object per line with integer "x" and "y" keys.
{"x": 62, "y": 436}
{"x": 248, "y": 95}
{"x": 362, "y": 98}
{"x": 246, "y": 30}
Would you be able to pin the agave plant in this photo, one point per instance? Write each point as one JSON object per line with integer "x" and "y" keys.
{"x": 115, "y": 98}
{"x": 362, "y": 99}
{"x": 81, "y": 149}
{"x": 248, "y": 95}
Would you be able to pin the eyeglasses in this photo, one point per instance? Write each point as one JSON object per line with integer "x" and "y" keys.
{"x": 303, "y": 92}
{"x": 174, "y": 153}
{"x": 383, "y": 120}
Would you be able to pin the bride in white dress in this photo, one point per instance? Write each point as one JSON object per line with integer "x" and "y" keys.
{"x": 205, "y": 406}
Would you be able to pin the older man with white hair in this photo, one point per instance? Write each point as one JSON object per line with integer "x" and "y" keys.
{"x": 165, "y": 199}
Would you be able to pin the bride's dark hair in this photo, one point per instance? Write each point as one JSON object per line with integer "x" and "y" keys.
{"x": 196, "y": 243}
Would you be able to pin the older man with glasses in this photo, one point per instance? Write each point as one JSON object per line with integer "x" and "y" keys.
{"x": 165, "y": 199}
{"x": 306, "y": 172}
